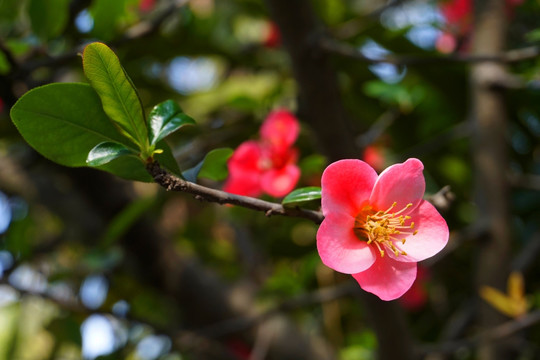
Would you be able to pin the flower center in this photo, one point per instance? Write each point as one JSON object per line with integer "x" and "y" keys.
{"x": 384, "y": 228}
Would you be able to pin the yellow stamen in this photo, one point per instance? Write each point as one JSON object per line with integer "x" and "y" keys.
{"x": 382, "y": 228}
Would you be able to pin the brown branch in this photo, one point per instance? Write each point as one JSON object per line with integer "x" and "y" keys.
{"x": 319, "y": 95}
{"x": 497, "y": 333}
{"x": 442, "y": 199}
{"x": 332, "y": 46}
{"x": 231, "y": 326}
{"x": 174, "y": 183}
{"x": 491, "y": 162}
{"x": 383, "y": 122}
{"x": 525, "y": 181}
{"x": 137, "y": 31}
{"x": 183, "y": 340}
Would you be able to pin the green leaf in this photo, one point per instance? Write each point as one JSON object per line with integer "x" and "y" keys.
{"x": 107, "y": 16}
{"x": 118, "y": 95}
{"x": 48, "y": 18}
{"x": 10, "y": 9}
{"x": 5, "y": 66}
{"x": 165, "y": 118}
{"x": 106, "y": 152}
{"x": 302, "y": 195}
{"x": 64, "y": 121}
{"x": 213, "y": 166}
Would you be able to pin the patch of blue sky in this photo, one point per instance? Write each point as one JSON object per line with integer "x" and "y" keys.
{"x": 386, "y": 72}
{"x": 190, "y": 75}
{"x": 93, "y": 291}
{"x": 423, "y": 20}
{"x": 84, "y": 22}
{"x": 152, "y": 347}
{"x": 5, "y": 213}
{"x": 98, "y": 337}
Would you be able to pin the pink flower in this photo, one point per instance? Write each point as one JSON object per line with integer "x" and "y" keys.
{"x": 267, "y": 165}
{"x": 377, "y": 228}
{"x": 374, "y": 156}
{"x": 146, "y": 5}
{"x": 272, "y": 37}
{"x": 458, "y": 15}
{"x": 417, "y": 296}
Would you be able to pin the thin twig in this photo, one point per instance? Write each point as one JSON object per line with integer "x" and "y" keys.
{"x": 334, "y": 47}
{"x": 525, "y": 181}
{"x": 184, "y": 340}
{"x": 497, "y": 333}
{"x": 378, "y": 128}
{"x": 231, "y": 326}
{"x": 174, "y": 183}
{"x": 137, "y": 31}
{"x": 170, "y": 182}
{"x": 442, "y": 199}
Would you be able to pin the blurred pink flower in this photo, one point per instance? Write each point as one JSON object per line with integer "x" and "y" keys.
{"x": 146, "y": 5}
{"x": 269, "y": 164}
{"x": 458, "y": 15}
{"x": 377, "y": 228}
{"x": 272, "y": 38}
{"x": 374, "y": 156}
{"x": 417, "y": 296}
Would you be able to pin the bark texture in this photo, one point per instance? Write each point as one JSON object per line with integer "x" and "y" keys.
{"x": 320, "y": 105}
{"x": 491, "y": 164}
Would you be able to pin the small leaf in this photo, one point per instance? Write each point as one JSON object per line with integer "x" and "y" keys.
{"x": 116, "y": 91}
{"x": 64, "y": 121}
{"x": 165, "y": 118}
{"x": 49, "y": 17}
{"x": 302, "y": 195}
{"x": 106, "y": 152}
{"x": 513, "y": 304}
{"x": 108, "y": 16}
{"x": 213, "y": 166}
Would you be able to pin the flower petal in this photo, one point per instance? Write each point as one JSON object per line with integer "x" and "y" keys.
{"x": 244, "y": 171}
{"x": 280, "y": 128}
{"x": 402, "y": 183}
{"x": 431, "y": 238}
{"x": 339, "y": 248}
{"x": 246, "y": 157}
{"x": 346, "y": 186}
{"x": 280, "y": 182}
{"x": 387, "y": 278}
{"x": 245, "y": 183}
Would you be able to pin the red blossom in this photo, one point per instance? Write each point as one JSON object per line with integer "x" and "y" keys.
{"x": 417, "y": 296}
{"x": 374, "y": 156}
{"x": 273, "y": 36}
{"x": 458, "y": 15}
{"x": 146, "y": 5}
{"x": 269, "y": 164}
{"x": 377, "y": 228}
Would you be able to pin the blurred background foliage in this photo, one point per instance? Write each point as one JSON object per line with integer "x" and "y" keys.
{"x": 91, "y": 266}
